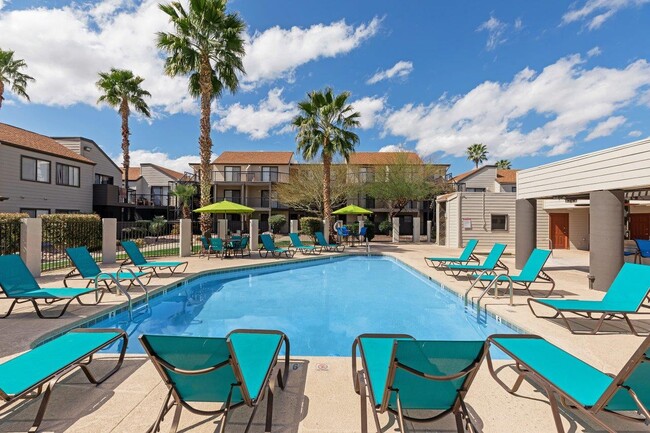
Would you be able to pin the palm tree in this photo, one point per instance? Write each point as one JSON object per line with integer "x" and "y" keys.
{"x": 207, "y": 45}
{"x": 323, "y": 126}
{"x": 504, "y": 164}
{"x": 184, "y": 192}
{"x": 121, "y": 89}
{"x": 11, "y": 76}
{"x": 477, "y": 153}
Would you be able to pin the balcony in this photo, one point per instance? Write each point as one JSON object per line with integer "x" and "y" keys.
{"x": 255, "y": 202}
{"x": 113, "y": 195}
{"x": 221, "y": 176}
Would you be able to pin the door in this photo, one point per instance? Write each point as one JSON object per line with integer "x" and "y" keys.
{"x": 640, "y": 226}
{"x": 559, "y": 231}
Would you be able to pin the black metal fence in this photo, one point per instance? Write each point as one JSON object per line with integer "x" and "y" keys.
{"x": 155, "y": 238}
{"x": 9, "y": 237}
{"x": 196, "y": 237}
{"x": 60, "y": 234}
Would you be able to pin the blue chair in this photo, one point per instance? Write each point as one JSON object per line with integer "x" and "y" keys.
{"x": 491, "y": 263}
{"x": 268, "y": 246}
{"x": 137, "y": 258}
{"x": 465, "y": 257}
{"x": 86, "y": 269}
{"x": 320, "y": 240}
{"x": 643, "y": 249}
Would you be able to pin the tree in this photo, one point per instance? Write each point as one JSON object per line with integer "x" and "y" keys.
{"x": 208, "y": 45}
{"x": 121, "y": 89}
{"x": 184, "y": 192}
{"x": 477, "y": 153}
{"x": 324, "y": 126}
{"x": 305, "y": 191}
{"x": 276, "y": 222}
{"x": 504, "y": 164}
{"x": 11, "y": 75}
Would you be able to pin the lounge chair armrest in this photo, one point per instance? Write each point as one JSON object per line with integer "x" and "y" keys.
{"x": 192, "y": 372}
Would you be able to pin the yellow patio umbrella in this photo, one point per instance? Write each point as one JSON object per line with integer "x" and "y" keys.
{"x": 352, "y": 210}
{"x": 225, "y": 207}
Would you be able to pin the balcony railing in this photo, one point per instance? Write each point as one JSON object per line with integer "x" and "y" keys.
{"x": 255, "y": 202}
{"x": 113, "y": 195}
{"x": 250, "y": 176}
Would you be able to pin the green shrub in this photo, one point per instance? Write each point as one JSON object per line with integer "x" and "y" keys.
{"x": 10, "y": 232}
{"x": 386, "y": 227}
{"x": 276, "y": 222}
{"x": 72, "y": 230}
{"x": 310, "y": 225}
{"x": 157, "y": 226}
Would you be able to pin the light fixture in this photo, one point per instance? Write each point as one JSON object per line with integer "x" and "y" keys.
{"x": 87, "y": 148}
{"x": 2, "y": 198}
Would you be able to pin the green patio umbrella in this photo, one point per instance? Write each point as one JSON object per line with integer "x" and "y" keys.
{"x": 225, "y": 207}
{"x": 352, "y": 210}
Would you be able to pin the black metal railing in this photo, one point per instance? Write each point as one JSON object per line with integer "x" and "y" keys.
{"x": 60, "y": 234}
{"x": 155, "y": 238}
{"x": 9, "y": 237}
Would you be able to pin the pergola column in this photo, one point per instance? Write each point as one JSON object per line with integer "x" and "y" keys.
{"x": 606, "y": 236}
{"x": 526, "y": 230}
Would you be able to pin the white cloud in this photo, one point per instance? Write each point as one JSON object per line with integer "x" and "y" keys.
{"x": 606, "y": 127}
{"x": 277, "y": 52}
{"x": 534, "y": 113}
{"x": 635, "y": 133}
{"x": 2, "y": 3}
{"x": 272, "y": 115}
{"x": 594, "y": 52}
{"x": 596, "y": 12}
{"x": 495, "y": 29}
{"x": 519, "y": 24}
{"x": 393, "y": 148}
{"x": 371, "y": 109}
{"x": 180, "y": 164}
{"x": 401, "y": 70}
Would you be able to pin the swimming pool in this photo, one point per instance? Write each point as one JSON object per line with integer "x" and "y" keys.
{"x": 322, "y": 305}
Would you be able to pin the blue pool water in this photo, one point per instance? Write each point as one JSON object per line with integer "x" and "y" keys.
{"x": 321, "y": 305}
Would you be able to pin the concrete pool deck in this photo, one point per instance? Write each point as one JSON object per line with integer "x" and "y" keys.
{"x": 319, "y": 396}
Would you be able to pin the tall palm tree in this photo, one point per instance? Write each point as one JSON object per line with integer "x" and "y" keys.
{"x": 121, "y": 89}
{"x": 208, "y": 45}
{"x": 323, "y": 126}
{"x": 11, "y": 76}
{"x": 477, "y": 153}
{"x": 184, "y": 193}
{"x": 504, "y": 164}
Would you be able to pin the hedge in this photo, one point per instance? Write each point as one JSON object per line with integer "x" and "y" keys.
{"x": 10, "y": 232}
{"x": 72, "y": 230}
{"x": 310, "y": 225}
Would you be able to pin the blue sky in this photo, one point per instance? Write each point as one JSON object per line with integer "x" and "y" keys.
{"x": 534, "y": 81}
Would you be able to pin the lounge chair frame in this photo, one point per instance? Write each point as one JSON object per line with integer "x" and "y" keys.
{"x": 99, "y": 294}
{"x": 152, "y": 265}
{"x": 362, "y": 388}
{"x": 442, "y": 264}
{"x": 526, "y": 372}
{"x": 210, "y": 250}
{"x": 277, "y": 252}
{"x": 107, "y": 281}
{"x": 328, "y": 246}
{"x": 315, "y": 249}
{"x": 173, "y": 399}
{"x": 45, "y": 386}
{"x": 479, "y": 268}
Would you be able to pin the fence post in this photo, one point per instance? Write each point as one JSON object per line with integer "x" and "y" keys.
{"x": 293, "y": 226}
{"x": 185, "y": 237}
{"x": 31, "y": 238}
{"x": 429, "y": 226}
{"x": 109, "y": 240}
{"x": 254, "y": 234}
{"x": 396, "y": 229}
{"x": 416, "y": 229}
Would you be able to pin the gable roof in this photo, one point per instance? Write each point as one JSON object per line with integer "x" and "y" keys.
{"x": 18, "y": 137}
{"x": 507, "y": 176}
{"x": 135, "y": 173}
{"x": 465, "y": 175}
{"x": 383, "y": 158}
{"x": 261, "y": 157}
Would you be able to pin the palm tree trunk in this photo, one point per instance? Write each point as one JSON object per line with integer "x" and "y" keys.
{"x": 327, "y": 203}
{"x": 205, "y": 142}
{"x": 126, "y": 160}
{"x": 2, "y": 92}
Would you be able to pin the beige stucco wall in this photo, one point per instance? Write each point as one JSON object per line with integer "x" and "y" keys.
{"x": 479, "y": 207}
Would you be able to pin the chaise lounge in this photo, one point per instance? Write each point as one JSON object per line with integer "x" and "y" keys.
{"x": 465, "y": 257}
{"x": 268, "y": 247}
{"x": 139, "y": 261}
{"x": 86, "y": 269}
{"x": 491, "y": 263}
{"x": 305, "y": 249}
{"x": 320, "y": 240}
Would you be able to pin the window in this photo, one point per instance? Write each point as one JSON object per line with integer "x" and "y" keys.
{"x": 33, "y": 213}
{"x": 233, "y": 195}
{"x": 265, "y": 198}
{"x": 74, "y": 211}
{"x": 269, "y": 174}
{"x": 159, "y": 195}
{"x": 499, "y": 222}
{"x": 232, "y": 174}
{"x": 475, "y": 189}
{"x": 67, "y": 175}
{"x": 101, "y": 179}
{"x": 370, "y": 202}
{"x": 513, "y": 189}
{"x": 34, "y": 170}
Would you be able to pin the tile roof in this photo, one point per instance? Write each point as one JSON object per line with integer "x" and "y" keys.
{"x": 507, "y": 176}
{"x": 465, "y": 175}
{"x": 22, "y": 138}
{"x": 136, "y": 172}
{"x": 383, "y": 158}
{"x": 262, "y": 157}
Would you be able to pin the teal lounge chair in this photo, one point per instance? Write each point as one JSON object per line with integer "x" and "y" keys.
{"x": 627, "y": 294}
{"x": 86, "y": 269}
{"x": 242, "y": 247}
{"x": 19, "y": 285}
{"x": 465, "y": 257}
{"x": 305, "y": 249}
{"x": 206, "y": 248}
{"x": 320, "y": 240}
{"x": 140, "y": 262}
{"x": 532, "y": 272}
{"x": 224, "y": 372}
{"x": 577, "y": 384}
{"x": 268, "y": 246}
{"x": 491, "y": 263}
{"x": 400, "y": 373}
{"x": 37, "y": 371}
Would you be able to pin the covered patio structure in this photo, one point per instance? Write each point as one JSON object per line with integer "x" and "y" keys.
{"x": 609, "y": 179}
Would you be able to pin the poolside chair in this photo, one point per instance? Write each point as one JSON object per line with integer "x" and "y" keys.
{"x": 491, "y": 263}
{"x": 465, "y": 257}
{"x": 140, "y": 262}
{"x": 37, "y": 371}
{"x": 643, "y": 249}
{"x": 305, "y": 249}
{"x": 268, "y": 246}
{"x": 320, "y": 240}
{"x": 216, "y": 244}
{"x": 400, "y": 373}
{"x": 242, "y": 247}
{"x": 86, "y": 269}
{"x": 627, "y": 294}
{"x": 532, "y": 272}
{"x": 206, "y": 248}
{"x": 18, "y": 284}
{"x": 226, "y": 372}
{"x": 577, "y": 384}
